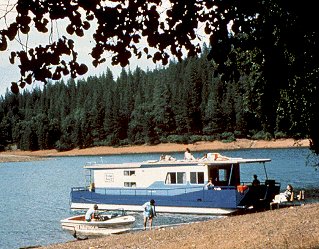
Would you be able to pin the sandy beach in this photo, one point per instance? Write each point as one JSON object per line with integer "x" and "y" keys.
{"x": 17, "y": 155}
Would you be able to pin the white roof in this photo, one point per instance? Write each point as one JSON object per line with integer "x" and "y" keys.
{"x": 163, "y": 163}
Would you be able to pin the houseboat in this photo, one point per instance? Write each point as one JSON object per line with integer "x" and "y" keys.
{"x": 177, "y": 186}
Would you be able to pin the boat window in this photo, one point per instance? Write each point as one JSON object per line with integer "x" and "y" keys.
{"x": 129, "y": 172}
{"x": 130, "y": 184}
{"x": 181, "y": 178}
{"x": 176, "y": 178}
{"x": 197, "y": 177}
{"x": 222, "y": 175}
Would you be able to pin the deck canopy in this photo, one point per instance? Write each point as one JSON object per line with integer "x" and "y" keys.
{"x": 160, "y": 163}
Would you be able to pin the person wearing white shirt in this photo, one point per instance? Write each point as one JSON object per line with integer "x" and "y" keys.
{"x": 188, "y": 155}
{"x": 90, "y": 214}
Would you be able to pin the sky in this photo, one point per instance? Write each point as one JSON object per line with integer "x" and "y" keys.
{"x": 10, "y": 72}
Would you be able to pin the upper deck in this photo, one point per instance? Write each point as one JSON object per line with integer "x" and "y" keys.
{"x": 175, "y": 163}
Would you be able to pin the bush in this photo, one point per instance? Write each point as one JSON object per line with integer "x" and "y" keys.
{"x": 124, "y": 142}
{"x": 239, "y": 134}
{"x": 195, "y": 138}
{"x": 60, "y": 146}
{"x": 227, "y": 137}
{"x": 210, "y": 138}
{"x": 261, "y": 135}
{"x": 111, "y": 140}
{"x": 163, "y": 140}
{"x": 280, "y": 134}
{"x": 179, "y": 139}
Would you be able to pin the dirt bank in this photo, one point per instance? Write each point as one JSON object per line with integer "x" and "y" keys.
{"x": 286, "y": 228}
{"x": 160, "y": 148}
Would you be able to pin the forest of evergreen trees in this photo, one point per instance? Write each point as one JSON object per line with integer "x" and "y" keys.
{"x": 182, "y": 103}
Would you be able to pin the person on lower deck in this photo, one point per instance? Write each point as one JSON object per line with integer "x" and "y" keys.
{"x": 210, "y": 184}
{"x": 255, "y": 182}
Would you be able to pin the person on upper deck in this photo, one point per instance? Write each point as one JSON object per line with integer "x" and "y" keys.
{"x": 204, "y": 158}
{"x": 188, "y": 155}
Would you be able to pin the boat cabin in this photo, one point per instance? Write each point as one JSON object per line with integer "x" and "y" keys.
{"x": 155, "y": 174}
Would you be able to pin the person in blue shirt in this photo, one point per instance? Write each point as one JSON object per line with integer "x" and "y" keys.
{"x": 90, "y": 214}
{"x": 149, "y": 213}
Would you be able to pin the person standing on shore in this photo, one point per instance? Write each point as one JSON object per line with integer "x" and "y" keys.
{"x": 149, "y": 213}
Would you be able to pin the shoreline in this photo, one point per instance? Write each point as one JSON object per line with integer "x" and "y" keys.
{"x": 21, "y": 156}
{"x": 295, "y": 227}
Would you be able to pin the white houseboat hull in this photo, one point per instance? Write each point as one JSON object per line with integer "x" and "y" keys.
{"x": 159, "y": 209}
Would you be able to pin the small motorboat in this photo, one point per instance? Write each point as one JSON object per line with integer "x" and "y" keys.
{"x": 107, "y": 223}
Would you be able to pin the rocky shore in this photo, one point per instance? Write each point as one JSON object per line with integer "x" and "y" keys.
{"x": 286, "y": 228}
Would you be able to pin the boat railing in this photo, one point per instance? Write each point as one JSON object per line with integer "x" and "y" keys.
{"x": 266, "y": 182}
{"x": 150, "y": 191}
{"x": 74, "y": 189}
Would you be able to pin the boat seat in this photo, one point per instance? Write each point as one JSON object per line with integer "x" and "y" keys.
{"x": 80, "y": 218}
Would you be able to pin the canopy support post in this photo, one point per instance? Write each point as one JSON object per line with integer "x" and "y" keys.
{"x": 265, "y": 170}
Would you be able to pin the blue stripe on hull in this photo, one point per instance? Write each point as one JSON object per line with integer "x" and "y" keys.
{"x": 226, "y": 198}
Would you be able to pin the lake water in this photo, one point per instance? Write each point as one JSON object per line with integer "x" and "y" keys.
{"x": 34, "y": 196}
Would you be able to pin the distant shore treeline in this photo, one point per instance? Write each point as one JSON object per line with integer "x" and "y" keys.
{"x": 182, "y": 103}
